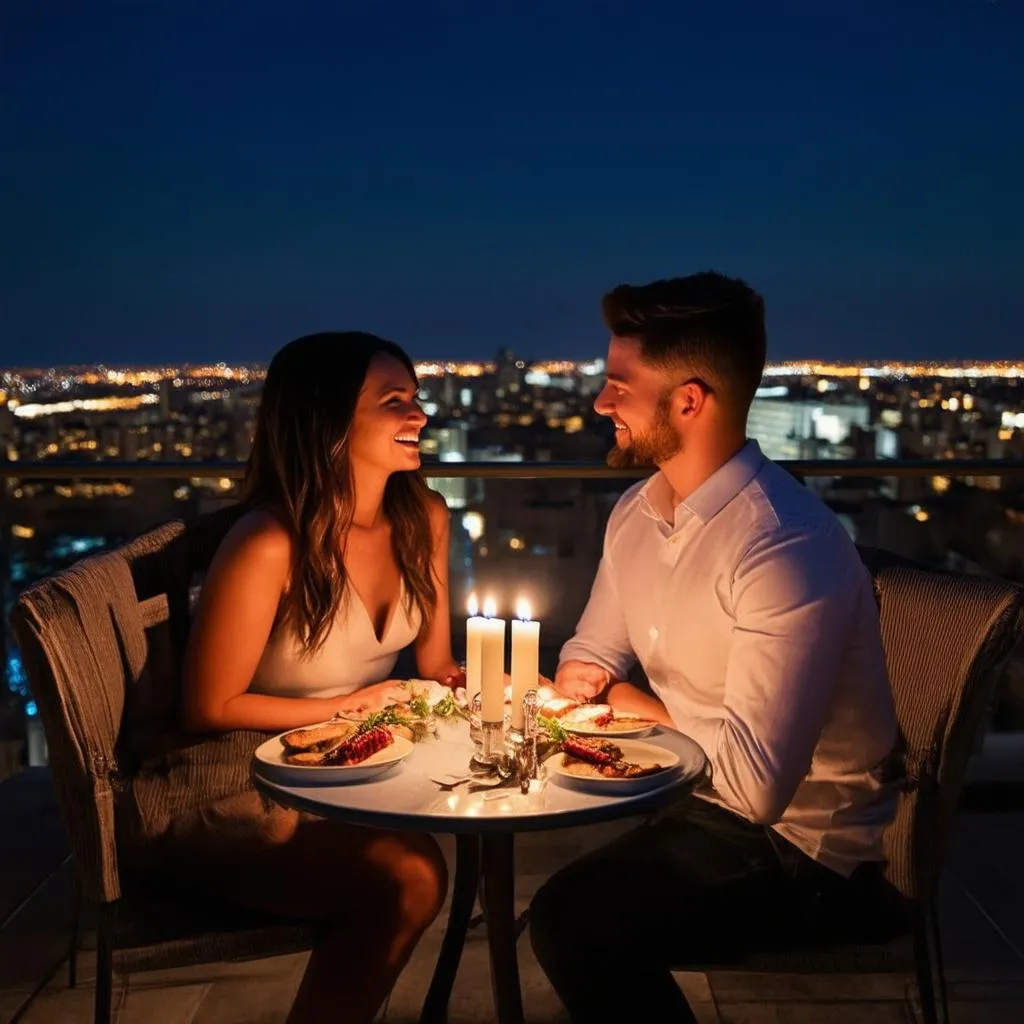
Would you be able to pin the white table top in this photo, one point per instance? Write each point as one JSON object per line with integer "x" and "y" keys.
{"x": 407, "y": 798}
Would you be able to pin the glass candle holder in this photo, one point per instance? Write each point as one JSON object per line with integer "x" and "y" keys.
{"x": 492, "y": 742}
{"x": 488, "y": 737}
{"x": 475, "y": 733}
{"x": 522, "y": 743}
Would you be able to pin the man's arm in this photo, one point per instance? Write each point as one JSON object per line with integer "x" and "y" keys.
{"x": 794, "y": 599}
{"x": 627, "y": 697}
{"x": 601, "y": 638}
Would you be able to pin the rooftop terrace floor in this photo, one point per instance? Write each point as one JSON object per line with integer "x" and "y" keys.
{"x": 982, "y": 911}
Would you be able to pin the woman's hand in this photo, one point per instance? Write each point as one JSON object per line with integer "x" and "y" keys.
{"x": 374, "y": 697}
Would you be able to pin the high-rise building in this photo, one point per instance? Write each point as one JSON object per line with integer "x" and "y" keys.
{"x": 788, "y": 428}
{"x": 450, "y": 443}
{"x": 165, "y": 398}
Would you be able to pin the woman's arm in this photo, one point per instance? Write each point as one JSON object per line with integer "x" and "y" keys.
{"x": 434, "y": 644}
{"x": 232, "y": 624}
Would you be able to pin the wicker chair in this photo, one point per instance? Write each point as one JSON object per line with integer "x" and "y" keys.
{"x": 946, "y": 638}
{"x": 102, "y": 644}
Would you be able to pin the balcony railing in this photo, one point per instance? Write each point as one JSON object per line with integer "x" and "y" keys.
{"x": 151, "y": 470}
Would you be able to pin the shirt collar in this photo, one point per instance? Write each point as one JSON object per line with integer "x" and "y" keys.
{"x": 711, "y": 497}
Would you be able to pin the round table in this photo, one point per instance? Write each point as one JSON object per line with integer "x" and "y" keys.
{"x": 407, "y": 798}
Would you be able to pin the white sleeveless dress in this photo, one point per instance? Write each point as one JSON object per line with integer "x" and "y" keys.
{"x": 351, "y": 656}
{"x": 191, "y": 811}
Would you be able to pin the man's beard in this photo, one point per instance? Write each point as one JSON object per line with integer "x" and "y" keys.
{"x": 653, "y": 446}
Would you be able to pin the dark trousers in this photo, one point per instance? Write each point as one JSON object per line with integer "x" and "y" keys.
{"x": 697, "y": 887}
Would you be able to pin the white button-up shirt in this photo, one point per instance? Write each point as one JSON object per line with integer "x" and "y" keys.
{"x": 755, "y": 621}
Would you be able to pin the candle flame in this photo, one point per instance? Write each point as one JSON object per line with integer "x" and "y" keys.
{"x": 472, "y": 606}
{"x": 490, "y": 607}
{"x": 523, "y": 610}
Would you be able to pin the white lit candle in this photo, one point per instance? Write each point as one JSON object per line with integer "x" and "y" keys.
{"x": 525, "y": 659}
{"x": 492, "y": 665}
{"x": 474, "y": 636}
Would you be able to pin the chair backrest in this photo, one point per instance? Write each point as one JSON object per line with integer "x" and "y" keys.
{"x": 102, "y": 643}
{"x": 946, "y": 636}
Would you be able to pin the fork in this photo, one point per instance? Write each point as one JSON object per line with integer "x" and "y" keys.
{"x": 451, "y": 780}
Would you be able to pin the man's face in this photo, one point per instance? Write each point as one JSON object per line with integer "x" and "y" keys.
{"x": 636, "y": 399}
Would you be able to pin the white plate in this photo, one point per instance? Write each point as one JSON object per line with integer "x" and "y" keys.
{"x": 581, "y": 721}
{"x": 632, "y": 750}
{"x": 271, "y": 763}
{"x": 589, "y": 729}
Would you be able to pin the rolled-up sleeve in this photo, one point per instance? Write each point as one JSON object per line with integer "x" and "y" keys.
{"x": 792, "y": 602}
{"x": 601, "y": 635}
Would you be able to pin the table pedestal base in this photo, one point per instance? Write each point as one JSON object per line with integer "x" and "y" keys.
{"x": 485, "y": 861}
{"x": 467, "y": 876}
{"x": 499, "y": 895}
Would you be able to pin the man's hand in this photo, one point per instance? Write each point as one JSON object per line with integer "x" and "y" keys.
{"x": 581, "y": 680}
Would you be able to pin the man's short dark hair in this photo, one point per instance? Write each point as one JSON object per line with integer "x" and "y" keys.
{"x": 707, "y": 324}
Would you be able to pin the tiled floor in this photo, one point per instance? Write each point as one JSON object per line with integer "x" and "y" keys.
{"x": 983, "y": 910}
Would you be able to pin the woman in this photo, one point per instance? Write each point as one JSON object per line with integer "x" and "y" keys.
{"x": 338, "y": 562}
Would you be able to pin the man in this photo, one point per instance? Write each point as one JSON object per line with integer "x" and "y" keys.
{"x": 753, "y": 618}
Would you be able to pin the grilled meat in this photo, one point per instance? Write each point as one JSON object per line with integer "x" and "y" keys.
{"x": 602, "y": 758}
{"x": 360, "y": 747}
{"x": 594, "y": 751}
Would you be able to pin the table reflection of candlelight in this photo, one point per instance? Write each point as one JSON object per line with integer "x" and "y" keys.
{"x": 492, "y": 664}
{"x": 525, "y": 659}
{"x": 474, "y": 639}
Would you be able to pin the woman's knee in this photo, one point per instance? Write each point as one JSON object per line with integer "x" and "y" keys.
{"x": 414, "y": 869}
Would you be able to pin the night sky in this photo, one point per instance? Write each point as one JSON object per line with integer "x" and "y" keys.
{"x": 204, "y": 180}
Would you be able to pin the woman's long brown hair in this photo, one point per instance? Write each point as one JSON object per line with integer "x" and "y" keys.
{"x": 299, "y": 470}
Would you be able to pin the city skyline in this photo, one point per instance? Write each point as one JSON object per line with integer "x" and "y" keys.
{"x": 186, "y": 182}
{"x": 140, "y": 375}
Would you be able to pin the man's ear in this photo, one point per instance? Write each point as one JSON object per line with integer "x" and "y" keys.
{"x": 688, "y": 399}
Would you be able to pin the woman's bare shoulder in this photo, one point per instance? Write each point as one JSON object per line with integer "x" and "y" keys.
{"x": 437, "y": 510}
{"x": 258, "y": 537}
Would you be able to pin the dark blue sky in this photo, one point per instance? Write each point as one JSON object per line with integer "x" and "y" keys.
{"x": 203, "y": 179}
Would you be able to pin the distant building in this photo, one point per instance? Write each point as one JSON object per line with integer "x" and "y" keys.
{"x": 789, "y": 428}
{"x": 510, "y": 373}
{"x": 165, "y": 398}
{"x": 449, "y": 443}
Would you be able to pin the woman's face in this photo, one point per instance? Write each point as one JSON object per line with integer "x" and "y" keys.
{"x": 388, "y": 419}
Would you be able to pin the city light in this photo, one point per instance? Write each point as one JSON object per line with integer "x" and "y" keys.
{"x": 506, "y": 409}
{"x": 473, "y": 524}
{"x": 34, "y": 409}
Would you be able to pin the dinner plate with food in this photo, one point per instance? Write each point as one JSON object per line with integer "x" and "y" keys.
{"x": 601, "y": 765}
{"x": 604, "y": 720}
{"x": 335, "y": 752}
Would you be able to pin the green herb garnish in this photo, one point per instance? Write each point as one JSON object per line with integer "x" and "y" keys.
{"x": 419, "y": 707}
{"x": 447, "y": 707}
{"x": 386, "y": 716}
{"x": 552, "y": 727}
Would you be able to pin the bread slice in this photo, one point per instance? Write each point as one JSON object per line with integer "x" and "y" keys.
{"x": 557, "y": 707}
{"x": 306, "y": 758}
{"x": 319, "y": 739}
